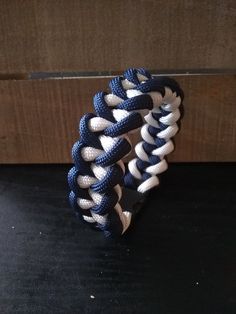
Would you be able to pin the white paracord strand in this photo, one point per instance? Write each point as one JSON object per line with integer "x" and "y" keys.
{"x": 170, "y": 102}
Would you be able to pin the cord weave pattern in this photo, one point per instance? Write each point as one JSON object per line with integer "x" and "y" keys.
{"x": 137, "y": 100}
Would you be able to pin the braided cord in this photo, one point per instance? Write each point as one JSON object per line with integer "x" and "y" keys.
{"x": 96, "y": 180}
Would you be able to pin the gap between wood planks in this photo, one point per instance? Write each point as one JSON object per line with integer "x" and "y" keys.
{"x": 107, "y": 74}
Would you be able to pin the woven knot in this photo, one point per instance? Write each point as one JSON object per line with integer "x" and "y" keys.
{"x": 137, "y": 100}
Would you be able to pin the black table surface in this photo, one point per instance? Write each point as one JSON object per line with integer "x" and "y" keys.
{"x": 179, "y": 256}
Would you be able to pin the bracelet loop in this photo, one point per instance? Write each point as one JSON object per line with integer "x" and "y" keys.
{"x": 104, "y": 192}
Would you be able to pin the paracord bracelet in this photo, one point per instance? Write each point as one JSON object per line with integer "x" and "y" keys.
{"x": 104, "y": 193}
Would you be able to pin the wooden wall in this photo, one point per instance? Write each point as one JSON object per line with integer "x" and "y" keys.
{"x": 38, "y": 118}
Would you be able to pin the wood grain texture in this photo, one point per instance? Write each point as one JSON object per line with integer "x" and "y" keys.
{"x": 77, "y": 35}
{"x": 39, "y": 118}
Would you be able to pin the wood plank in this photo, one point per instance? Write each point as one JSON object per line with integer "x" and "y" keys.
{"x": 76, "y": 35}
{"x": 39, "y": 118}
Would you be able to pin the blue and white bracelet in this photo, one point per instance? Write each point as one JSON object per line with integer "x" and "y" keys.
{"x": 103, "y": 191}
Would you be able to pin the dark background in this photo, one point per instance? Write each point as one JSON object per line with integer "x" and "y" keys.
{"x": 179, "y": 257}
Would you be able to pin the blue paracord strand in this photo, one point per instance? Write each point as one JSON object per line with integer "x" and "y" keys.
{"x": 98, "y": 175}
